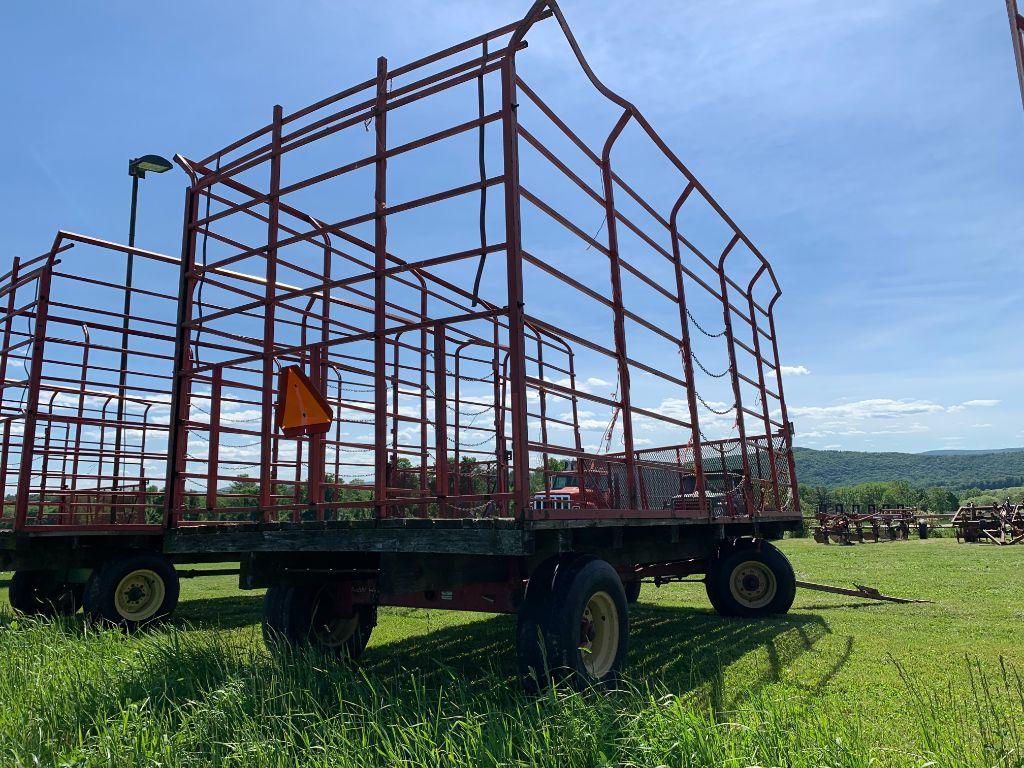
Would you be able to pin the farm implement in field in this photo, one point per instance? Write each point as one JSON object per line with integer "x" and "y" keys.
{"x": 839, "y": 526}
{"x": 399, "y": 311}
{"x": 992, "y": 523}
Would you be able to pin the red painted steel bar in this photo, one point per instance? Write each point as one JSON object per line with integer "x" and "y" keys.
{"x": 619, "y": 312}
{"x": 514, "y": 270}
{"x": 268, "y": 443}
{"x": 21, "y": 503}
{"x": 380, "y": 245}
{"x": 440, "y": 417}
{"x": 301, "y": 294}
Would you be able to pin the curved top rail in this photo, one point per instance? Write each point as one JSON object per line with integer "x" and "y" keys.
{"x": 538, "y": 11}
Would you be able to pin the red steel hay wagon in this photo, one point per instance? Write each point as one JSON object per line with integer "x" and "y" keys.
{"x": 468, "y": 292}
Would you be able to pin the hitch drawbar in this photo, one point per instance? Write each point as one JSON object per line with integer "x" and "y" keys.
{"x": 859, "y": 590}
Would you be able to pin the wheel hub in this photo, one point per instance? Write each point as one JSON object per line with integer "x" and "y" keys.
{"x": 753, "y": 584}
{"x": 139, "y": 595}
{"x": 329, "y": 629}
{"x": 599, "y": 635}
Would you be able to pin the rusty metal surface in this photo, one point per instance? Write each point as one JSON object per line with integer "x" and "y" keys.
{"x": 854, "y": 526}
{"x": 992, "y": 524}
{"x": 472, "y": 288}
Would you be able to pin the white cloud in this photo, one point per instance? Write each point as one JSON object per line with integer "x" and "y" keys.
{"x": 878, "y": 408}
{"x": 596, "y": 382}
{"x": 795, "y": 370}
{"x": 909, "y": 430}
{"x": 980, "y": 426}
{"x": 973, "y": 404}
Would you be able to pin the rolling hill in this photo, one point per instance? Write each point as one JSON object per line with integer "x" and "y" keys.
{"x": 969, "y": 451}
{"x": 994, "y": 469}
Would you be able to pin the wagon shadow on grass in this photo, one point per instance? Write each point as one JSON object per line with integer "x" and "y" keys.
{"x": 675, "y": 648}
{"x": 679, "y": 649}
{"x": 222, "y": 612}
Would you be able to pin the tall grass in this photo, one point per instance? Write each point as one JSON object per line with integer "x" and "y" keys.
{"x": 82, "y": 697}
{"x": 985, "y": 727}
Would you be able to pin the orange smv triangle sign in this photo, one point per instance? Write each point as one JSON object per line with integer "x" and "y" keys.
{"x": 301, "y": 409}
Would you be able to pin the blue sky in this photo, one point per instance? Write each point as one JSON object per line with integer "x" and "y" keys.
{"x": 871, "y": 150}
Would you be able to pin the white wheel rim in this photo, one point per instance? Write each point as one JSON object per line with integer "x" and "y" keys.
{"x": 752, "y": 584}
{"x": 599, "y": 635}
{"x": 139, "y": 595}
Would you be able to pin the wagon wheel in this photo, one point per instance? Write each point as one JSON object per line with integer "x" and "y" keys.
{"x": 573, "y": 624}
{"x": 313, "y": 616}
{"x": 133, "y": 590}
{"x": 751, "y": 582}
{"x": 44, "y": 593}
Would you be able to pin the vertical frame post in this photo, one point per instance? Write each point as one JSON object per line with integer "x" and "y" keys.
{"x": 618, "y": 310}
{"x": 4, "y": 355}
{"x": 267, "y": 391}
{"x": 213, "y": 459}
{"x": 734, "y": 377}
{"x": 514, "y": 265}
{"x": 32, "y": 397}
{"x": 687, "y": 351}
{"x": 177, "y": 436}
{"x": 1017, "y": 30}
{"x": 765, "y": 411}
{"x": 440, "y": 419}
{"x": 380, "y": 252}
{"x": 8, "y": 325}
{"x": 786, "y": 433}
{"x": 317, "y": 452}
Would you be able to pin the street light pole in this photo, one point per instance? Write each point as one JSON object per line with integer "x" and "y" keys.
{"x": 137, "y": 170}
{"x": 1017, "y": 30}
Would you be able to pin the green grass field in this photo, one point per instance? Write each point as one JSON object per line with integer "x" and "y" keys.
{"x": 837, "y": 682}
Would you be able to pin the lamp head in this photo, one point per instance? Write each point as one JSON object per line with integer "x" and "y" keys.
{"x": 154, "y": 163}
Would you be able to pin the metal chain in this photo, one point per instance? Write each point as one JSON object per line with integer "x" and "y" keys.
{"x": 469, "y": 414}
{"x": 709, "y": 373}
{"x": 700, "y": 328}
{"x": 225, "y": 445}
{"x": 486, "y": 440}
{"x": 485, "y": 379}
{"x": 726, "y": 412}
{"x": 226, "y": 418}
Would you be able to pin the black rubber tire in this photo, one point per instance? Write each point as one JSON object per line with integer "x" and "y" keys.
{"x": 632, "y": 591}
{"x": 99, "y": 601}
{"x": 531, "y": 618}
{"x": 717, "y": 581}
{"x": 291, "y": 614}
{"x": 550, "y": 619}
{"x": 40, "y": 593}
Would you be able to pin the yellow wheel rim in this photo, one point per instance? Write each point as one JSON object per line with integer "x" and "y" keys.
{"x": 599, "y": 635}
{"x": 332, "y": 631}
{"x": 752, "y": 584}
{"x": 336, "y": 632}
{"x": 139, "y": 595}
